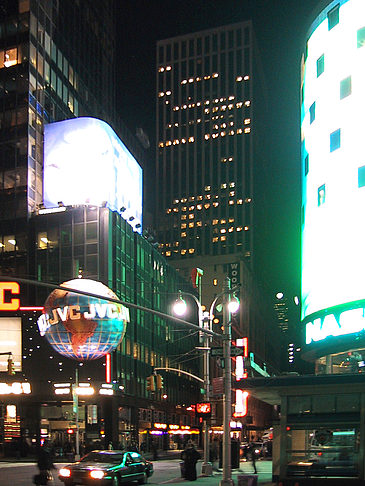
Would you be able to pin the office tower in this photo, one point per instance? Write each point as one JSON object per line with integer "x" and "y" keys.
{"x": 204, "y": 143}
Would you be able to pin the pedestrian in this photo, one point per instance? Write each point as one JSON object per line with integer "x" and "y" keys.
{"x": 110, "y": 446}
{"x": 45, "y": 464}
{"x": 252, "y": 451}
{"x": 190, "y": 456}
{"x": 154, "y": 451}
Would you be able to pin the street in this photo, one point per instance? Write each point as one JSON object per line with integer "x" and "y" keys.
{"x": 165, "y": 472}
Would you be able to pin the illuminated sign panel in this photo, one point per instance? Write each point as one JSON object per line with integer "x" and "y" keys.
{"x": 11, "y": 341}
{"x": 9, "y": 304}
{"x": 333, "y": 197}
{"x": 85, "y": 162}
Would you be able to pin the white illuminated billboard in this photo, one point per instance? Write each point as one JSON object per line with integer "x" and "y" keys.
{"x": 333, "y": 161}
{"x": 11, "y": 341}
{"x": 85, "y": 162}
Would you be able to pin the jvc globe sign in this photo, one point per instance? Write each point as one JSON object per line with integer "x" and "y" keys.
{"x": 81, "y": 326}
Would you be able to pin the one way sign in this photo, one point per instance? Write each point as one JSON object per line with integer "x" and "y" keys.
{"x": 218, "y": 352}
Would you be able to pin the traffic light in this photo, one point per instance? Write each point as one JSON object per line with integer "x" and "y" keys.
{"x": 151, "y": 383}
{"x": 11, "y": 367}
{"x": 159, "y": 382}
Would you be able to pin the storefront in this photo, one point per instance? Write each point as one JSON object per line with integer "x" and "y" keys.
{"x": 319, "y": 433}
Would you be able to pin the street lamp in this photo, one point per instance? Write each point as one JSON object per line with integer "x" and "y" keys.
{"x": 204, "y": 323}
{"x": 230, "y": 306}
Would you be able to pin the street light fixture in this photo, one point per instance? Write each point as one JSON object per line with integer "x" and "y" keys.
{"x": 230, "y": 305}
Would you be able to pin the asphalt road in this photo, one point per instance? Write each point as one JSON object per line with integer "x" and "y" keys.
{"x": 165, "y": 472}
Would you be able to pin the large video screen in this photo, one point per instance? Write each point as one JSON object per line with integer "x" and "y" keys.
{"x": 85, "y": 162}
{"x": 333, "y": 161}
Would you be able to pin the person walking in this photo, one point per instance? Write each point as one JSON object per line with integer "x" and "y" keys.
{"x": 252, "y": 451}
{"x": 190, "y": 456}
{"x": 45, "y": 464}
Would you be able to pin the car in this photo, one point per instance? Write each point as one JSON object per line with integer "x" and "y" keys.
{"x": 107, "y": 468}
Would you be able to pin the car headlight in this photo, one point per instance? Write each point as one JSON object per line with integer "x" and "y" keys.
{"x": 97, "y": 474}
{"x": 64, "y": 472}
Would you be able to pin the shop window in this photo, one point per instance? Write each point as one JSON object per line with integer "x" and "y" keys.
{"x": 42, "y": 241}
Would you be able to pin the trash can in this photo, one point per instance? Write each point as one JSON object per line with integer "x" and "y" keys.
{"x": 182, "y": 469}
{"x": 247, "y": 480}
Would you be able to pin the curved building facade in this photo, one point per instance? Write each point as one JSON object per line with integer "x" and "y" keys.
{"x": 333, "y": 175}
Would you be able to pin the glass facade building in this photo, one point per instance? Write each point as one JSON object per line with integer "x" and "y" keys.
{"x": 56, "y": 63}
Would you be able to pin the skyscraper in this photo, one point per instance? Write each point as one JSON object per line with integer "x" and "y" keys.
{"x": 204, "y": 154}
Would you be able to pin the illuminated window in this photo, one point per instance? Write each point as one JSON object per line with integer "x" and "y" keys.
{"x": 320, "y": 65}
{"x": 247, "y": 130}
{"x": 216, "y": 204}
{"x": 207, "y": 188}
{"x": 168, "y": 68}
{"x": 8, "y": 58}
{"x": 312, "y": 113}
{"x": 183, "y": 234}
{"x": 191, "y": 250}
{"x": 224, "y": 186}
{"x": 183, "y": 225}
{"x": 248, "y": 200}
{"x": 191, "y": 208}
{"x": 232, "y": 184}
{"x": 223, "y": 238}
{"x": 321, "y": 195}
{"x": 168, "y": 143}
{"x": 207, "y": 206}
{"x": 335, "y": 140}
{"x": 168, "y": 253}
{"x": 239, "y": 130}
{"x": 239, "y": 201}
{"x": 199, "y": 223}
{"x": 161, "y": 69}
{"x": 161, "y": 94}
{"x": 215, "y": 221}
{"x": 215, "y": 239}
{"x": 199, "y": 206}
{"x": 230, "y": 220}
{"x": 246, "y": 228}
{"x": 168, "y": 211}
{"x": 191, "y": 225}
{"x": 246, "y": 78}
{"x": 361, "y": 176}
{"x": 231, "y": 202}
{"x": 239, "y": 78}
{"x": 191, "y": 216}
{"x": 215, "y": 282}
{"x": 183, "y": 252}
{"x": 191, "y": 139}
{"x": 230, "y": 230}
{"x": 160, "y": 144}
{"x": 183, "y": 216}
{"x": 247, "y": 103}
{"x": 239, "y": 228}
{"x": 9, "y": 243}
{"x": 333, "y": 17}
{"x": 247, "y": 121}
{"x": 361, "y": 37}
{"x": 345, "y": 87}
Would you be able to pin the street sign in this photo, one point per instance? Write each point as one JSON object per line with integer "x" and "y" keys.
{"x": 218, "y": 352}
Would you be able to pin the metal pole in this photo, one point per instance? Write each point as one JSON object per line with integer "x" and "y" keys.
{"x": 76, "y": 405}
{"x": 207, "y": 469}
{"x": 227, "y": 410}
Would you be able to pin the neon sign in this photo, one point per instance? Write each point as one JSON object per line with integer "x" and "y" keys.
{"x": 335, "y": 324}
{"x": 13, "y": 288}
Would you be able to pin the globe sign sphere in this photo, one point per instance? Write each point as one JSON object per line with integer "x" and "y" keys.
{"x": 83, "y": 327}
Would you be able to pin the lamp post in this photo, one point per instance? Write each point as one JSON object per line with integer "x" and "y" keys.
{"x": 205, "y": 322}
{"x": 227, "y": 406}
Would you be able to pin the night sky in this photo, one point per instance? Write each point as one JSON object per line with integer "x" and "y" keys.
{"x": 280, "y": 27}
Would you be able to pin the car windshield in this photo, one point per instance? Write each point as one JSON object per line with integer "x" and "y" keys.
{"x": 109, "y": 458}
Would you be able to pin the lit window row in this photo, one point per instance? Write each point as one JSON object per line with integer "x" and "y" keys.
{"x": 162, "y": 69}
{"x": 207, "y": 136}
{"x": 200, "y": 78}
{"x": 242, "y": 78}
{"x": 161, "y": 94}
{"x": 185, "y": 106}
